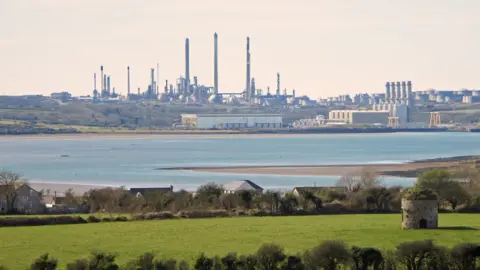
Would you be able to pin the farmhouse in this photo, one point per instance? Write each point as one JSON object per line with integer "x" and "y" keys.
{"x": 26, "y": 201}
{"x": 242, "y": 185}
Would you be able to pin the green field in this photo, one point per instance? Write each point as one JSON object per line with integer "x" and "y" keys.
{"x": 185, "y": 239}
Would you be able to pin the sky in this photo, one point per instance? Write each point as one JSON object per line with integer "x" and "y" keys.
{"x": 320, "y": 47}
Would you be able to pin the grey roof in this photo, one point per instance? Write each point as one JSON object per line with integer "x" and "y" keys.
{"x": 239, "y": 185}
{"x": 142, "y": 191}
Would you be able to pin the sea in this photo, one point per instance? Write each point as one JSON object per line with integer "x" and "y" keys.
{"x": 134, "y": 162}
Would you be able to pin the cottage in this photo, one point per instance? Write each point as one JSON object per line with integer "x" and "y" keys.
{"x": 242, "y": 185}
{"x": 140, "y": 192}
{"x": 28, "y": 201}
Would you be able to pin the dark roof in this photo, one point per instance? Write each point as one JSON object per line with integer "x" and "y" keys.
{"x": 255, "y": 186}
{"x": 314, "y": 189}
{"x": 238, "y": 185}
{"x": 142, "y": 191}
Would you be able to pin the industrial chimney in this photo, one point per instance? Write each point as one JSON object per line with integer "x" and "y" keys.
{"x": 215, "y": 62}
{"x": 102, "y": 80}
{"x": 128, "y": 81}
{"x": 393, "y": 92}
{"x": 404, "y": 92}
{"x": 278, "y": 84}
{"x": 187, "y": 67}
{"x": 399, "y": 91}
{"x": 247, "y": 87}
{"x": 94, "y": 81}
{"x": 388, "y": 94}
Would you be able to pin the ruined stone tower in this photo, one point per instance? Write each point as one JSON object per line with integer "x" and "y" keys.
{"x": 419, "y": 210}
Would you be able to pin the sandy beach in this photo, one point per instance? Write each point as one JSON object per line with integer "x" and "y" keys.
{"x": 330, "y": 170}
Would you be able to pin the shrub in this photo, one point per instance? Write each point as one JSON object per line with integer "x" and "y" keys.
{"x": 269, "y": 256}
{"x": 203, "y": 263}
{"x": 93, "y": 219}
{"x": 44, "y": 262}
{"x": 464, "y": 256}
{"x": 329, "y": 255}
{"x": 420, "y": 194}
{"x": 363, "y": 258}
{"x": 36, "y": 221}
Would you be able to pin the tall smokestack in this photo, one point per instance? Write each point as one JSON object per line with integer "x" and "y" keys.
{"x": 128, "y": 81}
{"x": 388, "y": 94}
{"x": 108, "y": 85}
{"x": 247, "y": 87}
{"x": 404, "y": 91}
{"x": 187, "y": 67}
{"x": 215, "y": 62}
{"x": 166, "y": 87}
{"x": 102, "y": 79}
{"x": 152, "y": 84}
{"x": 158, "y": 79}
{"x": 278, "y": 84}
{"x": 393, "y": 92}
{"x": 399, "y": 91}
{"x": 94, "y": 81}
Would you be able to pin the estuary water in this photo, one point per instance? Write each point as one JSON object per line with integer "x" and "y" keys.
{"x": 132, "y": 161}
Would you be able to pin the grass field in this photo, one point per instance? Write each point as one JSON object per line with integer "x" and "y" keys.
{"x": 185, "y": 239}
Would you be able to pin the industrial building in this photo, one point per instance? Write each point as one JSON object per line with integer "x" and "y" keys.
{"x": 358, "y": 117}
{"x": 232, "y": 121}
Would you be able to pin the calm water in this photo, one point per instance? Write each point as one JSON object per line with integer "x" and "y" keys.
{"x": 131, "y": 162}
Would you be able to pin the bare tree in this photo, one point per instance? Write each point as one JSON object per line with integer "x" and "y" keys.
{"x": 364, "y": 179}
{"x": 9, "y": 182}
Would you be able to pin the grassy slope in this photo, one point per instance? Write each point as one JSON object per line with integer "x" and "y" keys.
{"x": 184, "y": 239}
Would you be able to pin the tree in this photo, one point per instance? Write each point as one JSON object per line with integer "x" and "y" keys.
{"x": 355, "y": 182}
{"x": 272, "y": 200}
{"x": 415, "y": 255}
{"x": 209, "y": 194}
{"x": 441, "y": 182}
{"x": 247, "y": 198}
{"x": 316, "y": 201}
{"x": 288, "y": 203}
{"x": 464, "y": 256}
{"x": 44, "y": 262}
{"x": 269, "y": 256}
{"x": 329, "y": 255}
{"x": 9, "y": 183}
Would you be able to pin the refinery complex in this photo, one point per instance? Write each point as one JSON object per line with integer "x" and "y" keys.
{"x": 184, "y": 90}
{"x": 391, "y": 108}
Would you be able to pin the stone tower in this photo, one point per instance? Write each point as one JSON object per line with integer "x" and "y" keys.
{"x": 419, "y": 210}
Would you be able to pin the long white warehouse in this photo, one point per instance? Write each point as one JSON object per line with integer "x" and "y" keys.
{"x": 232, "y": 121}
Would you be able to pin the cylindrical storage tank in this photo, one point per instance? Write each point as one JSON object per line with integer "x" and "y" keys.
{"x": 419, "y": 214}
{"x": 475, "y": 93}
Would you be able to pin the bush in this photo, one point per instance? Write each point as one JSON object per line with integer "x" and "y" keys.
{"x": 329, "y": 255}
{"x": 36, "y": 221}
{"x": 203, "y": 214}
{"x": 269, "y": 256}
{"x": 93, "y": 219}
{"x": 44, "y": 263}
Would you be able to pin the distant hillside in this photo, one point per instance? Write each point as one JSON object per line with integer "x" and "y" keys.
{"x": 45, "y": 110}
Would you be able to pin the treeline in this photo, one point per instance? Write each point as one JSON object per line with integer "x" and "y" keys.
{"x": 457, "y": 190}
{"x": 329, "y": 255}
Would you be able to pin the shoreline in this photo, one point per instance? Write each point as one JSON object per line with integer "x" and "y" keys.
{"x": 127, "y": 135}
{"x": 406, "y": 169}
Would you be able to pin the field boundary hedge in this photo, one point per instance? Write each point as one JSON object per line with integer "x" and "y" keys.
{"x": 21, "y": 220}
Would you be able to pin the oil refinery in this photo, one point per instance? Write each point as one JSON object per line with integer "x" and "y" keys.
{"x": 186, "y": 91}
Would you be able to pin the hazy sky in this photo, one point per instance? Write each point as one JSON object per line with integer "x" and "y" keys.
{"x": 320, "y": 47}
